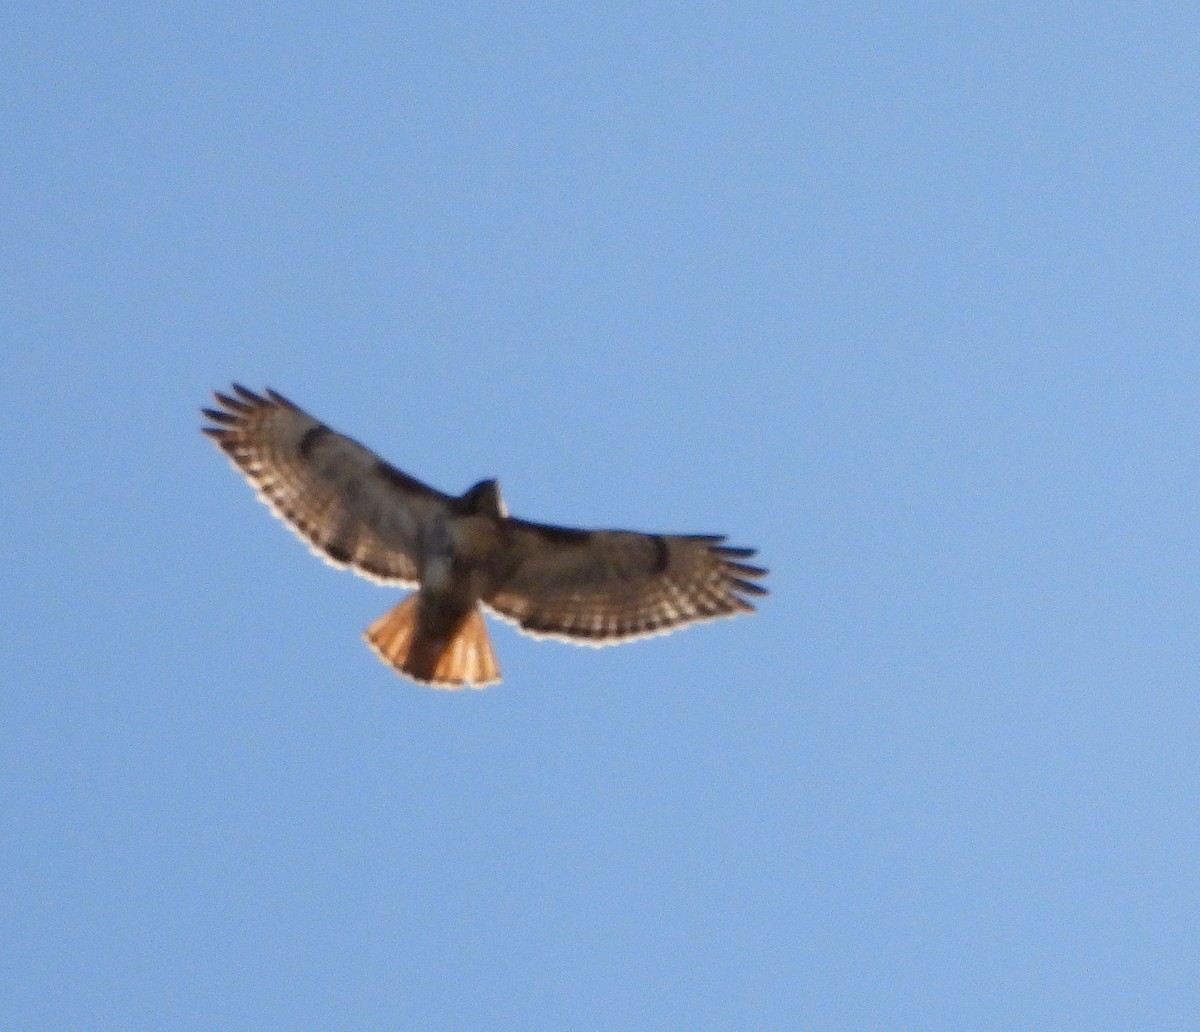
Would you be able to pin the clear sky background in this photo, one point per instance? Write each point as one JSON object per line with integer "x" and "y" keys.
{"x": 903, "y": 295}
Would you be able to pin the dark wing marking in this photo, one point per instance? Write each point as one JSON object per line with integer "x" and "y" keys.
{"x": 599, "y": 587}
{"x": 350, "y": 506}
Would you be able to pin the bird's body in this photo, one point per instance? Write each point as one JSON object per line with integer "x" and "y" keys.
{"x": 587, "y": 586}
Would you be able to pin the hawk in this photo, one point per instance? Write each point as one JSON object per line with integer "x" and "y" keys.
{"x": 590, "y": 587}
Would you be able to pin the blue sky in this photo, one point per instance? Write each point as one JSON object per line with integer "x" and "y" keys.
{"x": 903, "y": 295}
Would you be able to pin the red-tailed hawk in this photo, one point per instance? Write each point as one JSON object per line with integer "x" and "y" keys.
{"x": 590, "y": 587}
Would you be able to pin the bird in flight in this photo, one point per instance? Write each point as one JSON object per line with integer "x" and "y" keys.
{"x": 589, "y": 587}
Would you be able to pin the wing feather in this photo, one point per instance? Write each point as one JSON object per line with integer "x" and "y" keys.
{"x": 351, "y": 507}
{"x": 600, "y": 587}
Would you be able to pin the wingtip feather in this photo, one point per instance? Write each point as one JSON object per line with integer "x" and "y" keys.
{"x": 219, "y": 415}
{"x": 279, "y": 399}
{"x": 233, "y": 404}
{"x": 248, "y": 395}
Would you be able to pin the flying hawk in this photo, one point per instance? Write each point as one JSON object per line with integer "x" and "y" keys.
{"x": 590, "y": 587}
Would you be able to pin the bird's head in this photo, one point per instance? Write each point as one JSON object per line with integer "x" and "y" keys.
{"x": 484, "y": 500}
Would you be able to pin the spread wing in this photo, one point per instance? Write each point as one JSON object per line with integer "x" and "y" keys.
{"x": 599, "y": 587}
{"x": 352, "y": 508}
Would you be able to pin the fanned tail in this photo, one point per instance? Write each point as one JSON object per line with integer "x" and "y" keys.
{"x": 391, "y": 635}
{"x": 467, "y": 659}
